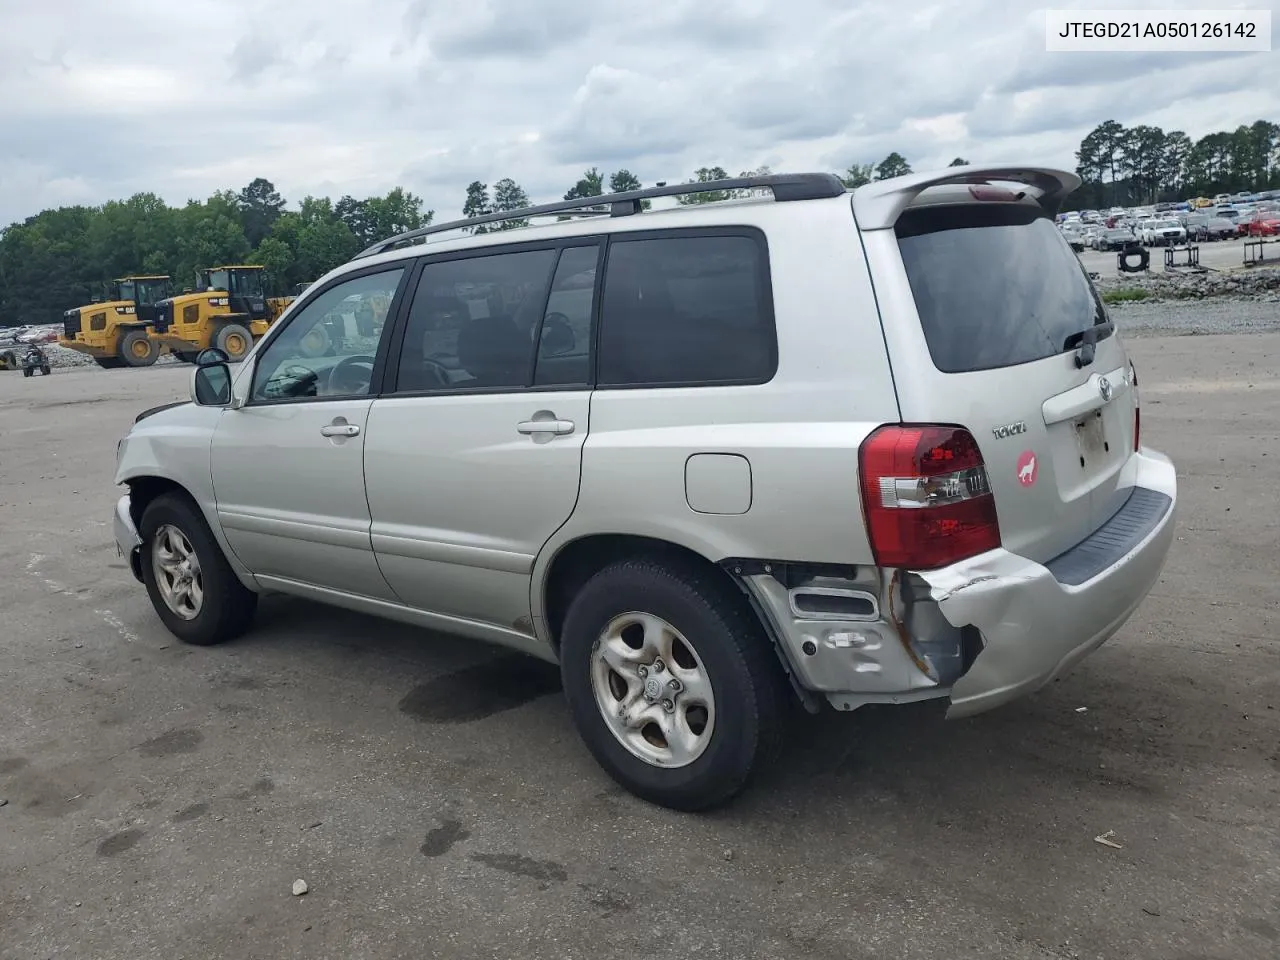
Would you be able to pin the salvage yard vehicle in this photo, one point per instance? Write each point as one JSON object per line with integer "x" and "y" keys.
{"x": 1156, "y": 233}
{"x": 1113, "y": 239}
{"x": 34, "y": 361}
{"x": 115, "y": 333}
{"x": 708, "y": 459}
{"x": 228, "y": 310}
{"x": 1263, "y": 224}
{"x": 1212, "y": 228}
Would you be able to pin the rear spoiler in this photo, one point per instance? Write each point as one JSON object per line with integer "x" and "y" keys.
{"x": 877, "y": 205}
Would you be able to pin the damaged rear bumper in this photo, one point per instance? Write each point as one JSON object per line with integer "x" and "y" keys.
{"x": 983, "y": 631}
{"x": 1038, "y": 620}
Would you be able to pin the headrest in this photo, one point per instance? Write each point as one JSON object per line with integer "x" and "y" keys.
{"x": 492, "y": 344}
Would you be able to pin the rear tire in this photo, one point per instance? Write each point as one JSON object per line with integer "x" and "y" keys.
{"x": 222, "y": 608}
{"x": 27, "y": 371}
{"x": 235, "y": 341}
{"x": 45, "y": 370}
{"x": 719, "y": 647}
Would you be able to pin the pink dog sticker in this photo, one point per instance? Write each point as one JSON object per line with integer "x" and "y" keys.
{"x": 1027, "y": 468}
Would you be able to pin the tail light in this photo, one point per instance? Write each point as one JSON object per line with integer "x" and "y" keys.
{"x": 926, "y": 496}
{"x": 1137, "y": 411}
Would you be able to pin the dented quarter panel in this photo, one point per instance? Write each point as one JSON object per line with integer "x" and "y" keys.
{"x": 1035, "y": 628}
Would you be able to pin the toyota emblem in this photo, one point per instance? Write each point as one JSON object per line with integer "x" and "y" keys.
{"x": 1104, "y": 387}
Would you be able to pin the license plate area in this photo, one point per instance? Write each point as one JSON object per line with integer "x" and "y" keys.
{"x": 1091, "y": 440}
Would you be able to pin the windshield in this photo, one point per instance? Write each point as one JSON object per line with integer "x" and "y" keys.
{"x": 995, "y": 285}
{"x": 247, "y": 283}
{"x": 152, "y": 291}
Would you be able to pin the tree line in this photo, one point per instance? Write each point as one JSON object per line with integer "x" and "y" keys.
{"x": 1124, "y": 166}
{"x": 63, "y": 257}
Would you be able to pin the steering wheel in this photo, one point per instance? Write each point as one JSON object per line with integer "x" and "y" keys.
{"x": 556, "y": 335}
{"x": 303, "y": 385}
{"x": 351, "y": 375}
{"x": 438, "y": 370}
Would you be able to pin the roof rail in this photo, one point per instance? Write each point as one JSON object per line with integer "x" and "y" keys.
{"x": 785, "y": 187}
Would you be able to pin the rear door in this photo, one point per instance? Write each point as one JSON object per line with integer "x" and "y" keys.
{"x": 991, "y": 322}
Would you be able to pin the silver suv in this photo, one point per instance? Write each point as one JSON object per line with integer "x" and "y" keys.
{"x": 801, "y": 444}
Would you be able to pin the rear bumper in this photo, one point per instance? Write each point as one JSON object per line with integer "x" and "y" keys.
{"x": 128, "y": 543}
{"x": 1035, "y": 625}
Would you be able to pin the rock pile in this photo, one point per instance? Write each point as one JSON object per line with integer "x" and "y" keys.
{"x": 1259, "y": 284}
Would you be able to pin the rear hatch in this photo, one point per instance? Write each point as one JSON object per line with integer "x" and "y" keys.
{"x": 996, "y": 327}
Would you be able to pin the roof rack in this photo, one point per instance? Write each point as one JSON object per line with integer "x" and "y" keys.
{"x": 785, "y": 187}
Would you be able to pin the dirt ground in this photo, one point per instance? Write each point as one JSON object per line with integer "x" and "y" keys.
{"x": 162, "y": 799}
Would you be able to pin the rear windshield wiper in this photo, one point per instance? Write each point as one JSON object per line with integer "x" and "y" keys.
{"x": 1085, "y": 342}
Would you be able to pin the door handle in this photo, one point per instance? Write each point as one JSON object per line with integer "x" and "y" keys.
{"x": 340, "y": 428}
{"x": 559, "y": 428}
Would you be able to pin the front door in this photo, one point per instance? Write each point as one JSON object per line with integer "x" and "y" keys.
{"x": 288, "y": 466}
{"x": 473, "y": 462}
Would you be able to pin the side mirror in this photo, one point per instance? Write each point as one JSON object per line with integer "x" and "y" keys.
{"x": 211, "y": 384}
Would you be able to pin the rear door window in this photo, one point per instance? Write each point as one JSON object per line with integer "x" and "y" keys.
{"x": 995, "y": 285}
{"x": 474, "y": 322}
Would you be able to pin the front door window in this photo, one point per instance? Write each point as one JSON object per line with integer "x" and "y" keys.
{"x": 329, "y": 348}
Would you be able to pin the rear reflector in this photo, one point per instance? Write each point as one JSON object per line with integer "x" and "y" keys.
{"x": 926, "y": 496}
{"x": 1137, "y": 411}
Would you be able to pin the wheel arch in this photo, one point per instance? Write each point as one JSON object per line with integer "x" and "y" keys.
{"x": 146, "y": 486}
{"x": 561, "y": 573}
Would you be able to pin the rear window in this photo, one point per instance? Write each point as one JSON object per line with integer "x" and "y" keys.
{"x": 995, "y": 285}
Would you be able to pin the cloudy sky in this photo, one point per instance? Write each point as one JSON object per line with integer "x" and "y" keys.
{"x": 100, "y": 99}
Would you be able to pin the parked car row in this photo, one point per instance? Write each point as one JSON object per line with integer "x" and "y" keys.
{"x": 1167, "y": 224}
{"x": 28, "y": 334}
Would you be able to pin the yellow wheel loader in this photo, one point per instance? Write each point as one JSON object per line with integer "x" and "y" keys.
{"x": 115, "y": 333}
{"x": 229, "y": 310}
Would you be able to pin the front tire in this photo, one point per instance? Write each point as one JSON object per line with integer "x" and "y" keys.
{"x": 671, "y": 682}
{"x": 137, "y": 349}
{"x": 192, "y": 587}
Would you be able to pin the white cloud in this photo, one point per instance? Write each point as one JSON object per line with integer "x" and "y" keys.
{"x": 98, "y": 101}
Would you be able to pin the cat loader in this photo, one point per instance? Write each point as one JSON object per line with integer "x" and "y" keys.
{"x": 228, "y": 310}
{"x": 116, "y": 332}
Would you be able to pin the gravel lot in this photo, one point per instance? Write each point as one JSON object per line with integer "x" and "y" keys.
{"x": 161, "y": 799}
{"x": 1194, "y": 317}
